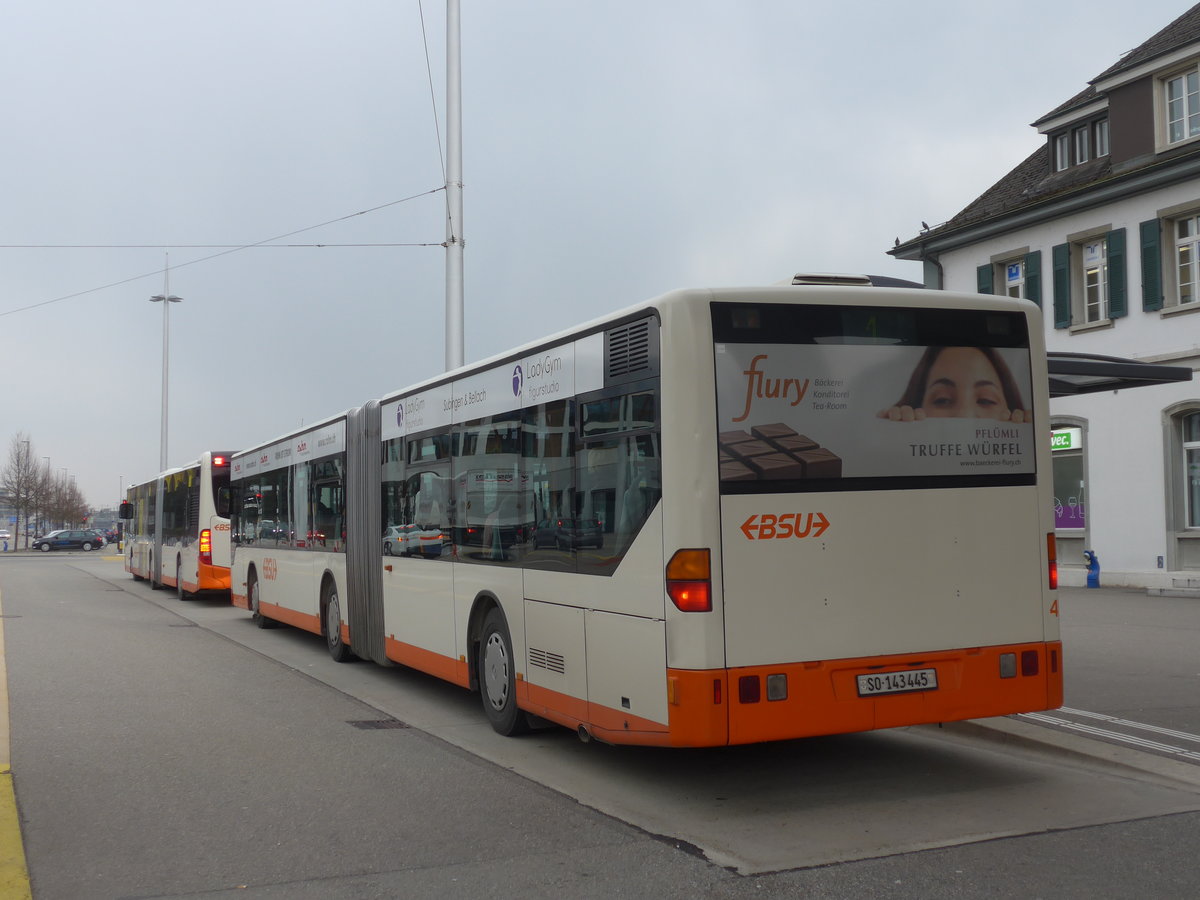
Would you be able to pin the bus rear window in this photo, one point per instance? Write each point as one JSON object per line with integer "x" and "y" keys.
{"x": 844, "y": 398}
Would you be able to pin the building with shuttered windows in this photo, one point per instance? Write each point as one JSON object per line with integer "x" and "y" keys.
{"x": 1100, "y": 226}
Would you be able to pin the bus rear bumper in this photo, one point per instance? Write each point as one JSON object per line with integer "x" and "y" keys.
{"x": 794, "y": 700}
{"x": 213, "y": 578}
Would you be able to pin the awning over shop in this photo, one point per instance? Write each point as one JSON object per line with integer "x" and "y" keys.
{"x": 1081, "y": 373}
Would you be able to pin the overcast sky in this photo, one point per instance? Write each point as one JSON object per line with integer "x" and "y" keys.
{"x": 612, "y": 151}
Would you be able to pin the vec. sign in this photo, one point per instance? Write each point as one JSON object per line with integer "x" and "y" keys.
{"x": 1066, "y": 439}
{"x": 767, "y": 526}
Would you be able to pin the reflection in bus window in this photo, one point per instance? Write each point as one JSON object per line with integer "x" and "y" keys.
{"x": 328, "y": 505}
{"x": 628, "y": 412}
{"x": 620, "y": 481}
{"x": 416, "y": 498}
{"x": 489, "y": 490}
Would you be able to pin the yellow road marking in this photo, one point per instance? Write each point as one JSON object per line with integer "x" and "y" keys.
{"x": 14, "y": 874}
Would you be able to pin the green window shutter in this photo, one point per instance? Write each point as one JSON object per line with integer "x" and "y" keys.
{"x": 1152, "y": 292}
{"x": 983, "y": 280}
{"x": 1118, "y": 305}
{"x": 1061, "y": 265}
{"x": 1033, "y": 276}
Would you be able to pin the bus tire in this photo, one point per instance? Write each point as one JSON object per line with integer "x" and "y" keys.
{"x": 252, "y": 592}
{"x": 498, "y": 677}
{"x": 331, "y": 623}
{"x": 179, "y": 591}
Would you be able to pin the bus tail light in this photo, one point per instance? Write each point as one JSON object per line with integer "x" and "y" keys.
{"x": 1052, "y": 561}
{"x": 1029, "y": 663}
{"x": 749, "y": 689}
{"x": 206, "y": 547}
{"x": 689, "y": 580}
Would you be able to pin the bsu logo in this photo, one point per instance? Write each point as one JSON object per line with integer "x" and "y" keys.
{"x": 768, "y": 526}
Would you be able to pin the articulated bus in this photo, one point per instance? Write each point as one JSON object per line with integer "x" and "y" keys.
{"x": 195, "y": 546}
{"x": 721, "y": 517}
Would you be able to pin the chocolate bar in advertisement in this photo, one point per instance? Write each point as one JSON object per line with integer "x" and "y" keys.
{"x": 820, "y": 463}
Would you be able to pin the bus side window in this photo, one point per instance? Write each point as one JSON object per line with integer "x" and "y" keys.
{"x": 620, "y": 482}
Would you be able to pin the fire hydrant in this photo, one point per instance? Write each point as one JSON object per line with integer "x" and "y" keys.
{"x": 1093, "y": 567}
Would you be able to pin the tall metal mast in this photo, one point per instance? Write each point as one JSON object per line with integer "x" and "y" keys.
{"x": 454, "y": 192}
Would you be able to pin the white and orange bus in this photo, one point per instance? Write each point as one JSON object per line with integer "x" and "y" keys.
{"x": 720, "y": 517}
{"x": 193, "y": 544}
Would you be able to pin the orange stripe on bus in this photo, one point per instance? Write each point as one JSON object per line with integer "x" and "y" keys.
{"x": 444, "y": 667}
{"x": 614, "y": 726}
{"x": 291, "y": 617}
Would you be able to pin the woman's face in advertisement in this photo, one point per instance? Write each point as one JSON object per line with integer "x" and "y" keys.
{"x": 964, "y": 384}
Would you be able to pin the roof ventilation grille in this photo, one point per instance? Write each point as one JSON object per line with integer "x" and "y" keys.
{"x": 629, "y": 351}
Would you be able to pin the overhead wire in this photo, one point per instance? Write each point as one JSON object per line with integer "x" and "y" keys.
{"x": 226, "y": 249}
{"x": 437, "y": 130}
{"x": 230, "y": 248}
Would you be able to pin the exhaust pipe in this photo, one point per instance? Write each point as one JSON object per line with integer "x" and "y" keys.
{"x": 584, "y": 735}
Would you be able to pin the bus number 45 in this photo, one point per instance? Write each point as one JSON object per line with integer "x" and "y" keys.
{"x": 767, "y": 526}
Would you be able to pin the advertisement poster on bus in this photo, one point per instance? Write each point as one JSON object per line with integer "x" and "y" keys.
{"x": 805, "y": 411}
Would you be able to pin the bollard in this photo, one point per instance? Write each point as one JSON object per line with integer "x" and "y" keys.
{"x": 1093, "y": 567}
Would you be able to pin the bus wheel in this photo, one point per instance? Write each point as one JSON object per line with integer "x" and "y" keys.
{"x": 179, "y": 591}
{"x": 333, "y": 624}
{"x": 256, "y": 615}
{"x": 498, "y": 678}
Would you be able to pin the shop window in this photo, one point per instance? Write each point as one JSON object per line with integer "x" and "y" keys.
{"x": 1191, "y": 468}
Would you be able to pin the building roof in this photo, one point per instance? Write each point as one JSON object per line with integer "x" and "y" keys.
{"x": 1183, "y": 31}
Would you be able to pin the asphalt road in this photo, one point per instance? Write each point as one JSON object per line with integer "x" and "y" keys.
{"x": 167, "y": 749}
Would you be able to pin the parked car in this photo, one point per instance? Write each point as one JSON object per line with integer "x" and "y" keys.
{"x": 65, "y": 539}
{"x": 545, "y": 533}
{"x": 412, "y": 540}
{"x": 573, "y": 533}
{"x": 5, "y": 534}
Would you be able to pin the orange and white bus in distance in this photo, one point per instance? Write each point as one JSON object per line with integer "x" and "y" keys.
{"x": 721, "y": 517}
{"x": 289, "y": 531}
{"x": 195, "y": 539}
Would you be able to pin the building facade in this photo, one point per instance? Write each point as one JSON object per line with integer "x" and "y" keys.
{"x": 1101, "y": 227}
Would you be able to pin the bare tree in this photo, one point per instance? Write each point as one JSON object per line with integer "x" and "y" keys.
{"x": 22, "y": 479}
{"x": 63, "y": 506}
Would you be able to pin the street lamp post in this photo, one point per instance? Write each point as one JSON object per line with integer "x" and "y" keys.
{"x": 45, "y": 490}
{"x": 60, "y": 493}
{"x": 24, "y": 479}
{"x": 166, "y": 298}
